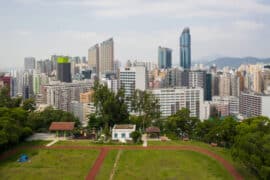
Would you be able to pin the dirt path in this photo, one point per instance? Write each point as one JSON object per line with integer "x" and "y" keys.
{"x": 104, "y": 150}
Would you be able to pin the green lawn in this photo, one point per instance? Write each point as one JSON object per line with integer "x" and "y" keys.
{"x": 225, "y": 153}
{"x": 107, "y": 166}
{"x": 49, "y": 164}
{"x": 168, "y": 164}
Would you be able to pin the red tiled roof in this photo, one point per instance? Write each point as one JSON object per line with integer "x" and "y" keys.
{"x": 153, "y": 129}
{"x": 62, "y": 126}
{"x": 123, "y": 126}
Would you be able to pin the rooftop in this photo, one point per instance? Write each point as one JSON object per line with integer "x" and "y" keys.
{"x": 62, "y": 126}
{"x": 152, "y": 129}
{"x": 124, "y": 126}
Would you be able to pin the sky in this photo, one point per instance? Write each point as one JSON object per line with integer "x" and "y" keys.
{"x": 41, "y": 28}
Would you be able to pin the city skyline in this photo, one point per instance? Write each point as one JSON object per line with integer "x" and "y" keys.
{"x": 36, "y": 28}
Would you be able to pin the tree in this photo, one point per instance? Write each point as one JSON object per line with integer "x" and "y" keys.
{"x": 29, "y": 105}
{"x": 252, "y": 145}
{"x": 181, "y": 124}
{"x": 6, "y": 101}
{"x": 110, "y": 107}
{"x": 136, "y": 137}
{"x": 146, "y": 105}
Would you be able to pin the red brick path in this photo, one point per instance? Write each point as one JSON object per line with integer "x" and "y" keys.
{"x": 94, "y": 170}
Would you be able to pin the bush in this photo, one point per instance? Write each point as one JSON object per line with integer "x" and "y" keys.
{"x": 136, "y": 137}
{"x": 27, "y": 131}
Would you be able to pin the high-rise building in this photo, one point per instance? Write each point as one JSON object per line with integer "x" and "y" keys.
{"x": 185, "y": 49}
{"x": 63, "y": 69}
{"x": 254, "y": 105}
{"x": 235, "y": 85}
{"x": 164, "y": 57}
{"x": 36, "y": 82}
{"x": 194, "y": 79}
{"x": 131, "y": 79}
{"x": 93, "y": 58}
{"x": 173, "y": 99}
{"x": 208, "y": 87}
{"x": 60, "y": 95}
{"x": 27, "y": 84}
{"x": 231, "y": 102}
{"x": 29, "y": 63}
{"x": 172, "y": 78}
{"x": 257, "y": 82}
{"x": 106, "y": 58}
{"x": 225, "y": 84}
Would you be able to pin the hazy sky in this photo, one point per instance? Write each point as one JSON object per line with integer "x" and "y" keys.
{"x": 41, "y": 28}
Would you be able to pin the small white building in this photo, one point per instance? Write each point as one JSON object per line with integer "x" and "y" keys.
{"x": 121, "y": 132}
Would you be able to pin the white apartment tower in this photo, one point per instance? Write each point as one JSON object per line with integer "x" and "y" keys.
{"x": 132, "y": 78}
{"x": 173, "y": 99}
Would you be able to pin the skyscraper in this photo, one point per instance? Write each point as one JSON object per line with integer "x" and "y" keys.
{"x": 93, "y": 58}
{"x": 106, "y": 57}
{"x": 185, "y": 49}
{"x": 164, "y": 58}
{"x": 132, "y": 78}
{"x": 29, "y": 63}
{"x": 63, "y": 69}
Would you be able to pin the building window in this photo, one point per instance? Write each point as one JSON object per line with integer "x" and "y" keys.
{"x": 123, "y": 135}
{"x": 115, "y": 135}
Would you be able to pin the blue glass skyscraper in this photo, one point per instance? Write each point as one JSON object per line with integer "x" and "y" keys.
{"x": 185, "y": 49}
{"x": 164, "y": 58}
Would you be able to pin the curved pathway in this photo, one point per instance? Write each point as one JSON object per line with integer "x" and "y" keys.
{"x": 105, "y": 149}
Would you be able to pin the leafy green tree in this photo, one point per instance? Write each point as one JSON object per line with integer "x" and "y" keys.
{"x": 146, "y": 105}
{"x": 136, "y": 136}
{"x": 10, "y": 130}
{"x": 95, "y": 122}
{"x": 110, "y": 107}
{"x": 29, "y": 105}
{"x": 6, "y": 100}
{"x": 181, "y": 124}
{"x": 252, "y": 145}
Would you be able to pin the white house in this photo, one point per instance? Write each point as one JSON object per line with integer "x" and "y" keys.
{"x": 121, "y": 132}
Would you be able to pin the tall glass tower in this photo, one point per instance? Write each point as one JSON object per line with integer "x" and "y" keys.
{"x": 185, "y": 49}
{"x": 164, "y": 57}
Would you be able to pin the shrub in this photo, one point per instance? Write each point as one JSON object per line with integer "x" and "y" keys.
{"x": 136, "y": 137}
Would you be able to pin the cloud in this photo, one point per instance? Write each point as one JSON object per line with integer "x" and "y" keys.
{"x": 168, "y": 8}
{"x": 249, "y": 25}
{"x": 226, "y": 27}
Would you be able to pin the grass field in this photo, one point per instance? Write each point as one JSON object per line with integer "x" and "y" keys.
{"x": 107, "y": 166}
{"x": 156, "y": 164}
{"x": 223, "y": 152}
{"x": 135, "y": 164}
{"x": 49, "y": 164}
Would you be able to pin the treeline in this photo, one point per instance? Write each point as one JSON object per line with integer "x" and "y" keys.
{"x": 18, "y": 119}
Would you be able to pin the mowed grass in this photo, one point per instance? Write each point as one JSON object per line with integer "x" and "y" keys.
{"x": 107, "y": 166}
{"x": 49, "y": 164}
{"x": 223, "y": 152}
{"x": 168, "y": 164}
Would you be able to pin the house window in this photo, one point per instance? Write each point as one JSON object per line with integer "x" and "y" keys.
{"x": 123, "y": 135}
{"x": 115, "y": 135}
